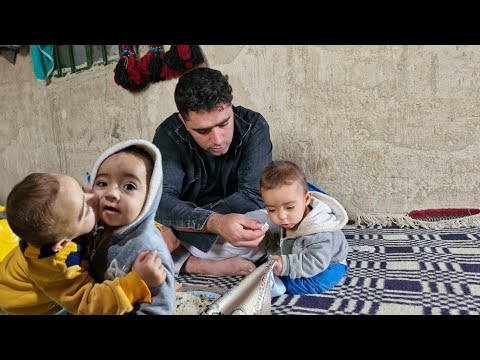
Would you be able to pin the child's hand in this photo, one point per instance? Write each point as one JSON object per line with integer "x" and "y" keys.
{"x": 150, "y": 268}
{"x": 277, "y": 268}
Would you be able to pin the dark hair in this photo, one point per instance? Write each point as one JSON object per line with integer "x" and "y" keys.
{"x": 280, "y": 173}
{"x": 141, "y": 152}
{"x": 30, "y": 209}
{"x": 202, "y": 89}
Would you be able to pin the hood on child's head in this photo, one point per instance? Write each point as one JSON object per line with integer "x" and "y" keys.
{"x": 154, "y": 187}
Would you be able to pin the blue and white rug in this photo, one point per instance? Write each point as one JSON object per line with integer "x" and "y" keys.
{"x": 392, "y": 271}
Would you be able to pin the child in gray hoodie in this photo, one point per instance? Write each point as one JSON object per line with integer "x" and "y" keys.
{"x": 305, "y": 228}
{"x": 127, "y": 178}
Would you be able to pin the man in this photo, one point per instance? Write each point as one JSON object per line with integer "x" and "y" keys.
{"x": 212, "y": 156}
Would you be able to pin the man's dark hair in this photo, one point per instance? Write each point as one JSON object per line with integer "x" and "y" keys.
{"x": 202, "y": 89}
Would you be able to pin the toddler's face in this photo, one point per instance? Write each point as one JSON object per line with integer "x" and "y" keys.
{"x": 75, "y": 208}
{"x": 121, "y": 187}
{"x": 286, "y": 205}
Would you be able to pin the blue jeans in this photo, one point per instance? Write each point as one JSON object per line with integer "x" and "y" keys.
{"x": 317, "y": 284}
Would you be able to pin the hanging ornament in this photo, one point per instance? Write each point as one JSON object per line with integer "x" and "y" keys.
{"x": 151, "y": 64}
{"x": 127, "y": 72}
{"x": 180, "y": 58}
{"x": 191, "y": 55}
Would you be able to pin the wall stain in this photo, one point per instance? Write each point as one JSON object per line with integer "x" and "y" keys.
{"x": 115, "y": 133}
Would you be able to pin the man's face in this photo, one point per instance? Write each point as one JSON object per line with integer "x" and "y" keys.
{"x": 212, "y": 130}
{"x": 121, "y": 186}
{"x": 76, "y": 209}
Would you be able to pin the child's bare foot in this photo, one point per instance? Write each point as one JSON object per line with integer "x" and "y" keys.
{"x": 232, "y": 266}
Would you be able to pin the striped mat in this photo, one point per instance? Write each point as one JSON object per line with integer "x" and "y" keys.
{"x": 392, "y": 271}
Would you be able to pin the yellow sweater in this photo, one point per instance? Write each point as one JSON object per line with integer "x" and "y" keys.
{"x": 40, "y": 281}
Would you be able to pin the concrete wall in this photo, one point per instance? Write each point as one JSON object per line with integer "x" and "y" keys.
{"x": 384, "y": 129}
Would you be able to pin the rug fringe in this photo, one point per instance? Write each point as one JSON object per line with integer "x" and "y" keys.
{"x": 406, "y": 221}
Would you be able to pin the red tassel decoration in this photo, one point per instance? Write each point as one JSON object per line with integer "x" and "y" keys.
{"x": 191, "y": 55}
{"x": 172, "y": 65}
{"x": 196, "y": 56}
{"x": 181, "y": 58}
{"x": 151, "y": 64}
{"x": 121, "y": 75}
{"x": 127, "y": 72}
{"x": 169, "y": 73}
{"x": 184, "y": 55}
{"x": 173, "y": 61}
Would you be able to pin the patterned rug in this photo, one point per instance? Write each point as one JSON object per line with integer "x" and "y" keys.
{"x": 392, "y": 271}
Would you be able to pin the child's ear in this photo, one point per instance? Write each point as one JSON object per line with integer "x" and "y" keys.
{"x": 59, "y": 245}
{"x": 308, "y": 197}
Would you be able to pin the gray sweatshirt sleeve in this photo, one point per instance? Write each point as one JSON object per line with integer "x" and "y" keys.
{"x": 311, "y": 255}
{"x": 163, "y": 296}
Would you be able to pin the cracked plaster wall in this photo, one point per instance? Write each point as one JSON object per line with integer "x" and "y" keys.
{"x": 383, "y": 129}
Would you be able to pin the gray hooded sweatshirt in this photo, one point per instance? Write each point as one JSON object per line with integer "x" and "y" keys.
{"x": 114, "y": 256}
{"x": 315, "y": 244}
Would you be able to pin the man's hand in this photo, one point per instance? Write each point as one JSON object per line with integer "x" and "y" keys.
{"x": 150, "y": 268}
{"x": 277, "y": 268}
{"x": 237, "y": 229}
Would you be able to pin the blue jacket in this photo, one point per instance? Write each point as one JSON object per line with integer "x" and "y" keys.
{"x": 185, "y": 176}
{"x": 114, "y": 256}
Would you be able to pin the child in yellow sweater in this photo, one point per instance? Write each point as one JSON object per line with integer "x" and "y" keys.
{"x": 49, "y": 269}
